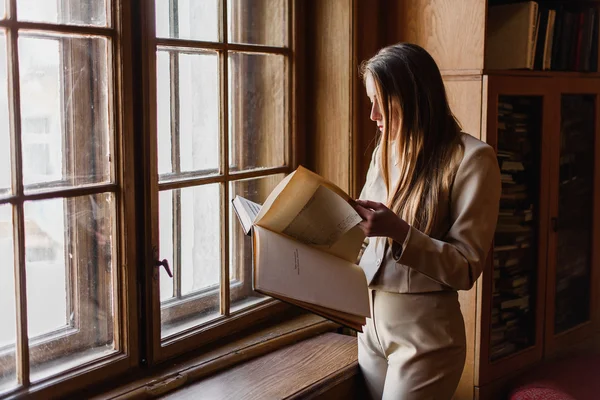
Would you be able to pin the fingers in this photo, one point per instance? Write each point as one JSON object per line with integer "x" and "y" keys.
{"x": 365, "y": 226}
{"x": 373, "y": 205}
{"x": 363, "y": 212}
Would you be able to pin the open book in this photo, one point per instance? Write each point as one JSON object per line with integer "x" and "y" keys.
{"x": 306, "y": 241}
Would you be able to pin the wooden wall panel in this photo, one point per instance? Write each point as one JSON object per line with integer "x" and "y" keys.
{"x": 330, "y": 75}
{"x": 369, "y": 38}
{"x": 468, "y": 307}
{"x": 452, "y": 31}
{"x": 464, "y": 96}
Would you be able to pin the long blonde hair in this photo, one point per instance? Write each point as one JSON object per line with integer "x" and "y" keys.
{"x": 427, "y": 136}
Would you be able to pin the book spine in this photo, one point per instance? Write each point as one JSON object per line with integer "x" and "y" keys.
{"x": 556, "y": 40}
{"x": 575, "y": 59}
{"x": 534, "y": 26}
{"x": 541, "y": 39}
{"x": 550, "y": 40}
{"x": 595, "y": 33}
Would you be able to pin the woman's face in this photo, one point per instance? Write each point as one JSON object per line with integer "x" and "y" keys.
{"x": 376, "y": 114}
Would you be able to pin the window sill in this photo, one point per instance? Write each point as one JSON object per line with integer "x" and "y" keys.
{"x": 322, "y": 367}
{"x": 175, "y": 374}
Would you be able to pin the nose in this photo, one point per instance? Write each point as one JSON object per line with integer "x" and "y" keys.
{"x": 375, "y": 113}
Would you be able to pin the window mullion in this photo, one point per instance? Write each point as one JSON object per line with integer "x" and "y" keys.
{"x": 290, "y": 104}
{"x": 176, "y": 168}
{"x": 175, "y": 147}
{"x": 22, "y": 345}
{"x": 224, "y": 132}
{"x": 43, "y": 27}
{"x": 176, "y": 198}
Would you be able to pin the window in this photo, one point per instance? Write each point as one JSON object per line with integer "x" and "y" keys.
{"x": 213, "y": 83}
{"x": 232, "y": 137}
{"x": 61, "y": 192}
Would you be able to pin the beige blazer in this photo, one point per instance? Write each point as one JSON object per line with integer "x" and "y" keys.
{"x": 454, "y": 256}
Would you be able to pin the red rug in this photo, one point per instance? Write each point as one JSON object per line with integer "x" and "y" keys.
{"x": 576, "y": 378}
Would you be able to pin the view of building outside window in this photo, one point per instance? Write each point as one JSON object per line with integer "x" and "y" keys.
{"x": 42, "y": 144}
{"x": 66, "y": 138}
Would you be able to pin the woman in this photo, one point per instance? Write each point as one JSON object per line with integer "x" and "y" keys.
{"x": 429, "y": 207}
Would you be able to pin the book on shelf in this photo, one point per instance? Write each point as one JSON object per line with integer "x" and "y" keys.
{"x": 512, "y": 166}
{"x": 560, "y": 36}
{"x": 306, "y": 241}
{"x": 511, "y": 36}
{"x": 502, "y": 349}
{"x": 513, "y": 250}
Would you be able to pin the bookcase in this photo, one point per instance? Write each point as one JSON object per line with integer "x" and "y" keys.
{"x": 539, "y": 292}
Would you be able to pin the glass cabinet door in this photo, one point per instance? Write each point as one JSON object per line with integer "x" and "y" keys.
{"x": 515, "y": 261}
{"x": 573, "y": 222}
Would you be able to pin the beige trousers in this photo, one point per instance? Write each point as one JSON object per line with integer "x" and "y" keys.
{"x": 414, "y": 347}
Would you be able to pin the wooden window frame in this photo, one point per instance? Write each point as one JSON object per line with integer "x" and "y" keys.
{"x": 118, "y": 36}
{"x": 228, "y": 323}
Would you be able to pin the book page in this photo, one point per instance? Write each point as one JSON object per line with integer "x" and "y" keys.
{"x": 297, "y": 271}
{"x": 252, "y": 209}
{"x": 273, "y": 196}
{"x": 291, "y": 195}
{"x": 349, "y": 245}
{"x": 246, "y": 211}
{"x": 323, "y": 219}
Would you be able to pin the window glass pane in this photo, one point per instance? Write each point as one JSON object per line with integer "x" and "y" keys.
{"x": 163, "y": 111}
{"x": 69, "y": 264}
{"x": 258, "y": 22}
{"x": 66, "y": 130}
{"x": 8, "y": 329}
{"x": 165, "y": 226}
{"x": 240, "y": 245}
{"x": 576, "y": 206}
{"x": 195, "y": 215}
{"x": 188, "y": 19}
{"x": 257, "y": 111}
{"x": 5, "y": 164}
{"x": 69, "y": 12}
{"x": 188, "y": 114}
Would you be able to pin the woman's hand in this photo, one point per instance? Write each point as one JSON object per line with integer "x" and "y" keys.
{"x": 378, "y": 220}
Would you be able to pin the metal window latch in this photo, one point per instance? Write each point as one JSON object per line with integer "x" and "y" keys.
{"x": 164, "y": 263}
